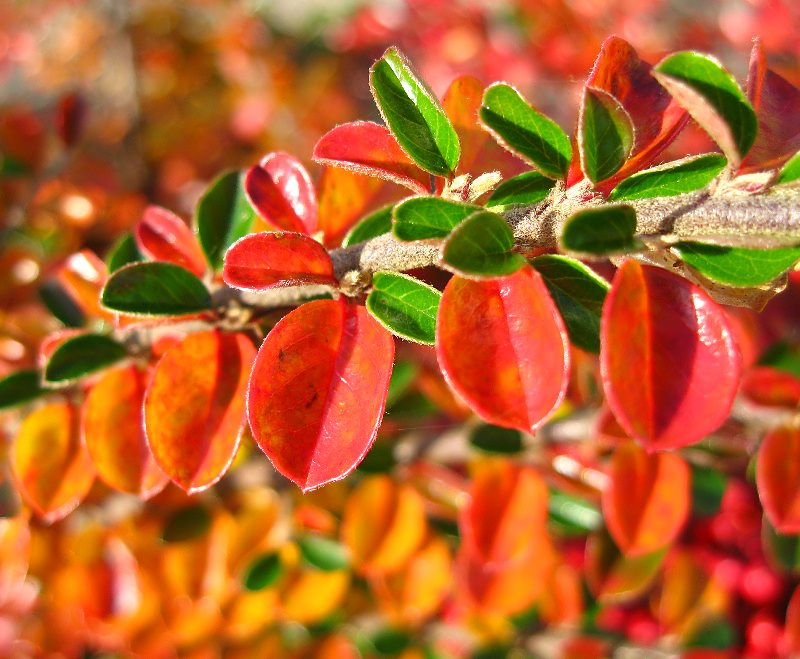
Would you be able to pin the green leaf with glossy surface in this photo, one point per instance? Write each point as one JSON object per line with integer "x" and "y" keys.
{"x": 790, "y": 171}
{"x": 579, "y": 293}
{"x": 605, "y": 135}
{"x": 481, "y": 247}
{"x": 186, "y": 524}
{"x": 373, "y": 225}
{"x": 737, "y": 266}
{"x": 414, "y": 115}
{"x": 222, "y": 216}
{"x": 671, "y": 179}
{"x": 601, "y": 231}
{"x": 263, "y": 572}
{"x": 424, "y": 218}
{"x": 405, "y": 306}
{"x": 526, "y": 132}
{"x": 495, "y": 439}
{"x": 155, "y": 289}
{"x": 123, "y": 252}
{"x": 714, "y": 99}
{"x": 19, "y": 387}
{"x": 81, "y": 355}
{"x": 573, "y": 515}
{"x": 323, "y": 553}
{"x": 523, "y": 190}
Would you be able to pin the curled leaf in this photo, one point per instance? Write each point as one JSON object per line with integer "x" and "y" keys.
{"x": 163, "y": 236}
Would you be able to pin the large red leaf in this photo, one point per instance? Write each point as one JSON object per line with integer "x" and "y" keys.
{"x": 50, "y": 463}
{"x": 113, "y": 431}
{"x": 369, "y": 148}
{"x": 318, "y": 390}
{"x": 281, "y": 190}
{"x": 669, "y": 364}
{"x": 264, "y": 260}
{"x": 502, "y": 346}
{"x": 195, "y": 404}
{"x": 647, "y": 499}
{"x": 163, "y": 236}
{"x": 778, "y": 478}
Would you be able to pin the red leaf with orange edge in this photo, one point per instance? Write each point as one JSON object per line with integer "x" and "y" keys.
{"x": 369, "y": 148}
{"x": 318, "y": 390}
{"x": 265, "y": 260}
{"x": 669, "y": 364}
{"x": 113, "y": 431}
{"x": 280, "y": 189}
{"x": 163, "y": 236}
{"x": 503, "y": 347}
{"x": 647, "y": 499}
{"x": 778, "y": 478}
{"x": 50, "y": 464}
{"x": 506, "y": 513}
{"x": 194, "y": 407}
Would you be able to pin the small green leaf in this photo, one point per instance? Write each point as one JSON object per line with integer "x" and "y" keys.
{"x": 187, "y": 524}
{"x": 323, "y": 553}
{"x": 578, "y": 293}
{"x": 222, "y": 216}
{"x": 790, "y": 171}
{"x": 670, "y": 179}
{"x": 601, "y": 231}
{"x": 61, "y": 305}
{"x": 481, "y": 247}
{"x": 708, "y": 488}
{"x": 784, "y": 550}
{"x": 605, "y": 135}
{"x": 414, "y": 115}
{"x": 405, "y": 306}
{"x": 81, "y": 355}
{"x": 373, "y": 225}
{"x": 403, "y": 375}
{"x": 411, "y": 406}
{"x": 424, "y": 218}
{"x": 155, "y": 289}
{"x": 523, "y": 190}
{"x": 526, "y": 132}
{"x": 711, "y": 95}
{"x": 390, "y": 642}
{"x": 263, "y": 572}
{"x": 494, "y": 439}
{"x": 715, "y": 633}
{"x": 18, "y": 388}
{"x": 737, "y": 266}
{"x": 123, "y": 252}
{"x": 572, "y": 515}
{"x": 783, "y": 356}
{"x": 379, "y": 460}
{"x": 13, "y": 168}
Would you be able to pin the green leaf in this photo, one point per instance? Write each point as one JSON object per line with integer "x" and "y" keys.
{"x": 424, "y": 218}
{"x": 790, "y": 171}
{"x": 61, "y": 305}
{"x": 263, "y": 572}
{"x": 403, "y": 375}
{"x": 155, "y": 289}
{"x": 481, "y": 247}
{"x": 411, "y": 406}
{"x": 186, "y": 524}
{"x": 13, "y": 168}
{"x": 323, "y": 553}
{"x": 123, "y": 252}
{"x": 222, "y": 216}
{"x": 81, "y": 355}
{"x": 405, "y": 306}
{"x": 716, "y": 634}
{"x": 494, "y": 439}
{"x": 19, "y": 387}
{"x": 783, "y": 356}
{"x": 601, "y": 231}
{"x": 605, "y": 135}
{"x": 414, "y": 115}
{"x": 708, "y": 488}
{"x": 711, "y": 95}
{"x": 783, "y": 549}
{"x": 523, "y": 190}
{"x": 390, "y": 642}
{"x": 373, "y": 225}
{"x": 379, "y": 460}
{"x": 578, "y": 293}
{"x": 737, "y": 266}
{"x": 572, "y": 515}
{"x": 526, "y": 132}
{"x": 670, "y": 179}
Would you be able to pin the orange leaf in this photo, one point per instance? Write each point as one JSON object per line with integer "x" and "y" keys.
{"x": 778, "y": 477}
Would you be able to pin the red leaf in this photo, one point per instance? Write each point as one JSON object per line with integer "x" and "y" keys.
{"x": 264, "y": 260}
{"x": 502, "y": 346}
{"x": 778, "y": 476}
{"x": 318, "y": 390}
{"x": 113, "y": 431}
{"x": 70, "y": 117}
{"x": 281, "y": 190}
{"x": 792, "y": 629}
{"x": 194, "y": 407}
{"x": 769, "y": 386}
{"x": 163, "y": 236}
{"x": 369, "y": 148}
{"x": 669, "y": 364}
{"x": 647, "y": 499}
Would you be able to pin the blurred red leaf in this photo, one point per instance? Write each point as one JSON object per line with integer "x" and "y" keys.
{"x": 669, "y": 382}
{"x": 70, "y": 117}
{"x": 769, "y": 386}
{"x": 263, "y": 260}
{"x": 194, "y": 407}
{"x": 792, "y": 628}
{"x": 163, "y": 236}
{"x": 318, "y": 390}
{"x": 502, "y": 346}
{"x": 778, "y": 477}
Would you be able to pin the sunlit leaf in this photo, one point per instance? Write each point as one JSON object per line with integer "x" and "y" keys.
{"x": 373, "y": 225}
{"x": 790, "y": 171}
{"x": 605, "y": 135}
{"x": 673, "y": 178}
{"x": 422, "y": 218}
{"x": 777, "y": 476}
{"x": 481, "y": 246}
{"x": 323, "y": 553}
{"x": 163, "y": 236}
{"x": 82, "y": 355}
{"x": 405, "y": 306}
{"x": 737, "y": 266}
{"x": 572, "y": 515}
{"x": 82, "y": 275}
{"x": 600, "y": 231}
{"x": 522, "y": 190}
